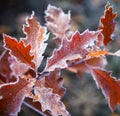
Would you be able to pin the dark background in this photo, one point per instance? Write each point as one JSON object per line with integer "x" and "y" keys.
{"x": 82, "y": 97}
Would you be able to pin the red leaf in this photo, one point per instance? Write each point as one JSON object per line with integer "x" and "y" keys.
{"x": 108, "y": 23}
{"x": 110, "y": 86}
{"x": 48, "y": 91}
{"x": 19, "y": 50}
{"x": 5, "y": 70}
{"x": 17, "y": 68}
{"x": 58, "y": 22}
{"x": 36, "y": 36}
{"x": 77, "y": 47}
{"x": 54, "y": 81}
{"x": 12, "y": 96}
{"x": 50, "y": 101}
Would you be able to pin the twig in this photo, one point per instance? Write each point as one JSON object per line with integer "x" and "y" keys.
{"x": 33, "y": 108}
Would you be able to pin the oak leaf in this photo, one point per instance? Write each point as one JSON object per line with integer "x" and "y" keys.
{"x": 48, "y": 91}
{"x": 58, "y": 22}
{"x": 108, "y": 23}
{"x": 50, "y": 101}
{"x": 36, "y": 36}
{"x": 109, "y": 85}
{"x": 12, "y": 96}
{"x": 54, "y": 81}
{"x": 19, "y": 50}
{"x": 5, "y": 70}
{"x": 77, "y": 47}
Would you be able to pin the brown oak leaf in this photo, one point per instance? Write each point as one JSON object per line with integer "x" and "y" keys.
{"x": 109, "y": 85}
{"x": 36, "y": 36}
{"x": 50, "y": 101}
{"x": 58, "y": 22}
{"x": 19, "y": 50}
{"x": 12, "y": 96}
{"x": 54, "y": 81}
{"x": 108, "y": 23}
{"x": 5, "y": 70}
{"x": 77, "y": 47}
{"x": 48, "y": 91}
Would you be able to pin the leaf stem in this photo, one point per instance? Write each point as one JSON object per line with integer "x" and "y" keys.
{"x": 34, "y": 109}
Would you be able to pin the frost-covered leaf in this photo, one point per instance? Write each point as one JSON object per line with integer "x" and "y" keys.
{"x": 36, "y": 36}
{"x": 58, "y": 22}
{"x": 4, "y": 65}
{"x": 19, "y": 50}
{"x": 29, "y": 50}
{"x": 48, "y": 91}
{"x": 5, "y": 70}
{"x": 109, "y": 85}
{"x": 77, "y": 47}
{"x": 12, "y": 96}
{"x": 50, "y": 101}
{"x": 108, "y": 23}
{"x": 17, "y": 68}
{"x": 54, "y": 81}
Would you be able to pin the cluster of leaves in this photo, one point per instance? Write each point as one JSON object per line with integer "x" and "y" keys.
{"x": 77, "y": 52}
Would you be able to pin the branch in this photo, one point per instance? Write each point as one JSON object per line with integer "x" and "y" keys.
{"x": 33, "y": 108}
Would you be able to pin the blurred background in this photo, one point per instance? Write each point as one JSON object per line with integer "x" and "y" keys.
{"x": 82, "y": 97}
